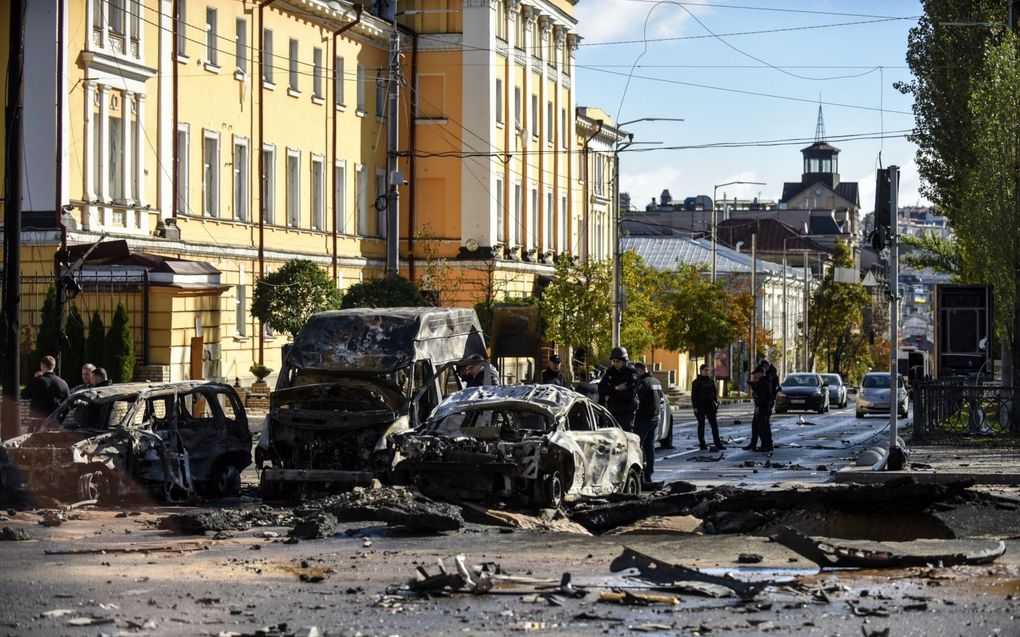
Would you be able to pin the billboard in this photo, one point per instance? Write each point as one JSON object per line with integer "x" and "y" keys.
{"x": 963, "y": 333}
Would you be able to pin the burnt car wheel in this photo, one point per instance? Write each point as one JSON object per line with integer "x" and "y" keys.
{"x": 97, "y": 485}
{"x": 550, "y": 490}
{"x": 632, "y": 486}
{"x": 667, "y": 442}
{"x": 225, "y": 481}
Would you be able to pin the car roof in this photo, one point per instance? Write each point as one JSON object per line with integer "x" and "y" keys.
{"x": 118, "y": 390}
{"x": 552, "y": 398}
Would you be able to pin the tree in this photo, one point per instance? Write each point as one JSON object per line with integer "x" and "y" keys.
{"x": 95, "y": 343}
{"x": 390, "y": 291}
{"x": 120, "y": 347}
{"x": 640, "y": 285}
{"x": 438, "y": 280}
{"x": 693, "y": 312}
{"x": 576, "y": 307}
{"x": 48, "y": 340}
{"x": 285, "y": 299}
{"x": 931, "y": 250}
{"x": 74, "y": 353}
{"x": 837, "y": 312}
{"x": 990, "y": 238}
{"x": 741, "y": 308}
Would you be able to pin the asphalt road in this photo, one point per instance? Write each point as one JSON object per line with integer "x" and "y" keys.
{"x": 808, "y": 447}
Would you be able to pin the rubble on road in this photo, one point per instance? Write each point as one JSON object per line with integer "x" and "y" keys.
{"x": 394, "y": 505}
{"x": 837, "y": 553}
{"x": 199, "y": 522}
{"x": 680, "y": 578}
{"x": 13, "y": 534}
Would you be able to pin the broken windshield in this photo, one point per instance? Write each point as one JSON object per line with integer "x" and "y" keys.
{"x": 486, "y": 424}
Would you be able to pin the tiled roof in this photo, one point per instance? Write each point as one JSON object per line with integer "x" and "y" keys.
{"x": 771, "y": 235}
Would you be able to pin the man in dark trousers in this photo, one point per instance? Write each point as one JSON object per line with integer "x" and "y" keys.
{"x": 617, "y": 389}
{"x": 646, "y": 418}
{"x": 705, "y": 401}
{"x": 45, "y": 391}
{"x": 551, "y": 374}
{"x": 764, "y": 400}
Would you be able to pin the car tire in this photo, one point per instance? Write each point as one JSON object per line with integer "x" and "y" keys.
{"x": 97, "y": 485}
{"x": 667, "y": 442}
{"x": 225, "y": 481}
{"x": 632, "y": 485}
{"x": 550, "y": 490}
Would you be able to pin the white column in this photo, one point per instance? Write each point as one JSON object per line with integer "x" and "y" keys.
{"x": 139, "y": 164}
{"x": 89, "y": 142}
{"x": 164, "y": 140}
{"x": 104, "y": 153}
{"x": 127, "y": 172}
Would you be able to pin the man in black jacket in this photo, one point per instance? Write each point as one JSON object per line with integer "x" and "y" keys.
{"x": 617, "y": 389}
{"x": 705, "y": 401}
{"x": 764, "y": 400}
{"x": 45, "y": 391}
{"x": 551, "y": 374}
{"x": 646, "y": 418}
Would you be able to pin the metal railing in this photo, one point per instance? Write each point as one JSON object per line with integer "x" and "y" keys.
{"x": 953, "y": 411}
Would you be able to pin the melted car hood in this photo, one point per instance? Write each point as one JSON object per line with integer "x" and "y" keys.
{"x": 340, "y": 390}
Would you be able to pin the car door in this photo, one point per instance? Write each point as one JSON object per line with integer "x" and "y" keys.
{"x": 612, "y": 437}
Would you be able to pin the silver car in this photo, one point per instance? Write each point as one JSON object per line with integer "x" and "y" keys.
{"x": 542, "y": 444}
{"x": 837, "y": 390}
{"x": 873, "y": 395}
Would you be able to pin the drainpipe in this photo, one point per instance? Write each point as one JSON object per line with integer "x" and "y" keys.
{"x": 262, "y": 162}
{"x": 587, "y": 188}
{"x": 412, "y": 130}
{"x": 174, "y": 52}
{"x": 357, "y": 19}
{"x": 58, "y": 204}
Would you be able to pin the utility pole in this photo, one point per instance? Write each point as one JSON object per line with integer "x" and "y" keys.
{"x": 617, "y": 274}
{"x": 754, "y": 298}
{"x": 807, "y": 308}
{"x": 10, "y": 416}
{"x": 393, "y": 175}
{"x": 894, "y": 305}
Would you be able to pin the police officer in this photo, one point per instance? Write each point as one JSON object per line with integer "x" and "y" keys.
{"x": 551, "y": 374}
{"x": 646, "y": 418}
{"x": 617, "y": 389}
{"x": 764, "y": 400}
{"x": 705, "y": 401}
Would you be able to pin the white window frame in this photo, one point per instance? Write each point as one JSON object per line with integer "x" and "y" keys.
{"x": 517, "y": 106}
{"x": 115, "y": 157}
{"x": 267, "y": 57}
{"x": 500, "y": 210}
{"x": 534, "y": 116}
{"x": 211, "y": 37}
{"x": 338, "y": 81}
{"x": 317, "y": 200}
{"x": 116, "y": 20}
{"x": 211, "y": 174}
{"x": 499, "y": 101}
{"x": 550, "y": 219}
{"x": 361, "y": 89}
{"x": 242, "y": 178}
{"x": 534, "y": 217}
{"x": 268, "y": 191}
{"x": 563, "y": 127}
{"x": 550, "y": 122}
{"x": 564, "y": 239}
{"x": 317, "y": 83}
{"x": 515, "y": 226}
{"x": 181, "y": 18}
{"x": 361, "y": 199}
{"x": 183, "y": 166}
{"x": 293, "y": 51}
{"x": 340, "y": 196}
{"x": 241, "y": 305}
{"x": 241, "y": 47}
{"x": 293, "y": 184}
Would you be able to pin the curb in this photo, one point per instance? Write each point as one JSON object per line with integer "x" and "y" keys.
{"x": 865, "y": 475}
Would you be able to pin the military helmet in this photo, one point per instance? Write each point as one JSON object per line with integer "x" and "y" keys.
{"x": 618, "y": 353}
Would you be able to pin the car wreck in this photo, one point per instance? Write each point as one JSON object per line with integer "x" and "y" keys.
{"x": 541, "y": 444}
{"x": 171, "y": 441}
{"x": 352, "y": 378}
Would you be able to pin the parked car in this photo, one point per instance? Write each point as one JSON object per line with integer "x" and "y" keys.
{"x": 873, "y": 395}
{"x": 541, "y": 444}
{"x": 837, "y": 390}
{"x": 803, "y": 390}
{"x": 170, "y": 441}
{"x": 353, "y": 377}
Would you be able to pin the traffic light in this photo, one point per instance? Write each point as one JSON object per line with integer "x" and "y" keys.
{"x": 883, "y": 203}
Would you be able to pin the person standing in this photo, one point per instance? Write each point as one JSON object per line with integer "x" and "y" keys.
{"x": 646, "y": 418}
{"x": 86, "y": 377}
{"x": 617, "y": 389}
{"x": 705, "y": 401}
{"x": 44, "y": 391}
{"x": 551, "y": 375}
{"x": 764, "y": 399}
{"x": 100, "y": 378}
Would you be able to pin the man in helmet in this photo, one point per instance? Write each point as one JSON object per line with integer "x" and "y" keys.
{"x": 618, "y": 389}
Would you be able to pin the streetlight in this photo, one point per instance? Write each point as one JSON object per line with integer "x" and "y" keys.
{"x": 715, "y": 190}
{"x": 617, "y": 278}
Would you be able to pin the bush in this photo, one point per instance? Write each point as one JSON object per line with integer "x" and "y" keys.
{"x": 390, "y": 291}
{"x": 74, "y": 349}
{"x": 120, "y": 347}
{"x": 47, "y": 340}
{"x": 285, "y": 299}
{"x": 95, "y": 343}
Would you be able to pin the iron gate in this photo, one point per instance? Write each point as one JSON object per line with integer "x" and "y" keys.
{"x": 951, "y": 411}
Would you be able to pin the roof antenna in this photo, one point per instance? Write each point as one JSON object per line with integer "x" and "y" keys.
{"x": 820, "y": 126}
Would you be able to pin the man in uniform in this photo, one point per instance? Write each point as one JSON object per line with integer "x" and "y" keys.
{"x": 551, "y": 375}
{"x": 617, "y": 389}
{"x": 646, "y": 418}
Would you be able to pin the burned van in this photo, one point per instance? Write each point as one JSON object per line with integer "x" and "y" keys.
{"x": 353, "y": 377}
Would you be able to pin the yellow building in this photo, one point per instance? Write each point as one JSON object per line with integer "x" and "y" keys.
{"x": 204, "y": 143}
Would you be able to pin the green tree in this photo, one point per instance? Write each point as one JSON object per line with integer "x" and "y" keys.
{"x": 990, "y": 238}
{"x": 389, "y": 291}
{"x": 837, "y": 312}
{"x": 640, "y": 285}
{"x": 930, "y": 250}
{"x": 74, "y": 352}
{"x": 120, "y": 347}
{"x": 285, "y": 299}
{"x": 576, "y": 307}
{"x": 693, "y": 313}
{"x": 95, "y": 342}
{"x": 47, "y": 340}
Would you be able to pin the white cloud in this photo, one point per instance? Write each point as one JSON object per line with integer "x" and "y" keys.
{"x": 610, "y": 20}
{"x": 646, "y": 184}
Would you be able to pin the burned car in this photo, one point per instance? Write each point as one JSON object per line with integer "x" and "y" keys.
{"x": 351, "y": 378}
{"x": 541, "y": 444}
{"x": 170, "y": 441}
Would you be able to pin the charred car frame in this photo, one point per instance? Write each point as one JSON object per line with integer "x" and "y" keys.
{"x": 170, "y": 441}
{"x": 542, "y": 444}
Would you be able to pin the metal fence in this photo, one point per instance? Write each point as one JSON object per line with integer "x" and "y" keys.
{"x": 100, "y": 292}
{"x": 954, "y": 411}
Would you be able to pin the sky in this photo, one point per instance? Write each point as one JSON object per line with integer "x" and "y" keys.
{"x": 740, "y": 72}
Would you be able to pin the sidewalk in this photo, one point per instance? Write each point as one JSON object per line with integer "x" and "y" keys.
{"x": 944, "y": 463}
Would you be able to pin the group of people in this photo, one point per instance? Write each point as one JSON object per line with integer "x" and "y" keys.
{"x": 764, "y": 383}
{"x": 45, "y": 391}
